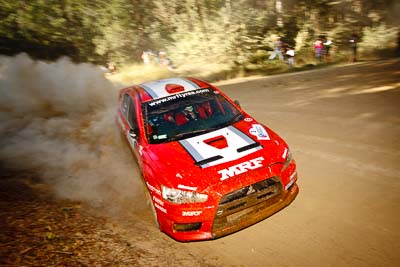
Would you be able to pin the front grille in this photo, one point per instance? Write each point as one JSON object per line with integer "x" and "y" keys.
{"x": 267, "y": 186}
{"x": 235, "y": 209}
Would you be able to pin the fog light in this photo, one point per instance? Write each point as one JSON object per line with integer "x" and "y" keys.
{"x": 184, "y": 227}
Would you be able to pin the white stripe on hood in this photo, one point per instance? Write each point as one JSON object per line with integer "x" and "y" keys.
{"x": 205, "y": 155}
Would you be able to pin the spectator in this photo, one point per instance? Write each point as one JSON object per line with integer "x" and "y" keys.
{"x": 288, "y": 53}
{"x": 104, "y": 69}
{"x": 277, "y": 49}
{"x": 318, "y": 48}
{"x": 149, "y": 57}
{"x": 164, "y": 60}
{"x": 326, "y": 49}
{"x": 146, "y": 57}
{"x": 112, "y": 67}
{"x": 353, "y": 46}
{"x": 290, "y": 56}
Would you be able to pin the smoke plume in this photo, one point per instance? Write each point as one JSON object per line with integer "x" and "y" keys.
{"x": 58, "y": 119}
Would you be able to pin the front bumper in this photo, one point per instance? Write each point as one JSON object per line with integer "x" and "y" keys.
{"x": 235, "y": 216}
{"x": 252, "y": 213}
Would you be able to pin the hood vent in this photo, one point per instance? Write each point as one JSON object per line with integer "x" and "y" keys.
{"x": 174, "y": 88}
{"x": 254, "y": 145}
{"x": 206, "y": 161}
{"x": 217, "y": 142}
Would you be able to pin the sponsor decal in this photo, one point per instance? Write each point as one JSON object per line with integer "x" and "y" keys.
{"x": 293, "y": 175}
{"x": 161, "y": 136}
{"x": 239, "y": 145}
{"x": 153, "y": 189}
{"x": 178, "y": 96}
{"x": 181, "y": 186}
{"x": 191, "y": 213}
{"x": 292, "y": 180}
{"x": 259, "y": 131}
{"x": 248, "y": 119}
{"x": 160, "y": 208}
{"x": 241, "y": 168}
{"x": 285, "y": 153}
{"x": 158, "y": 201}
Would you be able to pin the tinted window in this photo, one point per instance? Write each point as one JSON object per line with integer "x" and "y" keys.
{"x": 125, "y": 104}
{"x": 129, "y": 111}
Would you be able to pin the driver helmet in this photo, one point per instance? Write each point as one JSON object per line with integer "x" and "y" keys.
{"x": 189, "y": 108}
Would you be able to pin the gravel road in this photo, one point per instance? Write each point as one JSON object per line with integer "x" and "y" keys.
{"x": 343, "y": 126}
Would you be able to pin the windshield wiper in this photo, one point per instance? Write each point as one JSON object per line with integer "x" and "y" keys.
{"x": 191, "y": 134}
{"x": 234, "y": 119}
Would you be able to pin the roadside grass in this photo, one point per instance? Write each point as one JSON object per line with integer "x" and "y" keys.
{"x": 138, "y": 73}
{"x": 258, "y": 64}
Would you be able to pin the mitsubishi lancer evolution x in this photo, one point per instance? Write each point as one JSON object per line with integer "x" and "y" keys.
{"x": 209, "y": 168}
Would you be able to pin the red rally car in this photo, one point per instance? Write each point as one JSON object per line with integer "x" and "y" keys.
{"x": 210, "y": 168}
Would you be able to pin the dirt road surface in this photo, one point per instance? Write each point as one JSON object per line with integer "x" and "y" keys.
{"x": 343, "y": 126}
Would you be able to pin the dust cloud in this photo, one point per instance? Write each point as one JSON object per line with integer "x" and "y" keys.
{"x": 58, "y": 121}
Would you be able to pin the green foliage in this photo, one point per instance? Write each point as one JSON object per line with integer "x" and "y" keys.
{"x": 379, "y": 37}
{"x": 210, "y": 34}
{"x": 46, "y": 29}
{"x": 226, "y": 35}
{"x": 123, "y": 29}
{"x": 379, "y": 41}
{"x": 305, "y": 38}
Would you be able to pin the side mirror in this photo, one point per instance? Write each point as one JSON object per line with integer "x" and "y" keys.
{"x": 237, "y": 102}
{"x": 132, "y": 133}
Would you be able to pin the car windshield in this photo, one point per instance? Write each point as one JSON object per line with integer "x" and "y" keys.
{"x": 187, "y": 114}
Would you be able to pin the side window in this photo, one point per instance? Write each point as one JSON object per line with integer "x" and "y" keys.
{"x": 128, "y": 109}
{"x": 125, "y": 105}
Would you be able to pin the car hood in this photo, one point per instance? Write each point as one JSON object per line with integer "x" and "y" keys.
{"x": 199, "y": 162}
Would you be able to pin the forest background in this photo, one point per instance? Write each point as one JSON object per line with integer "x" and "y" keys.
{"x": 208, "y": 38}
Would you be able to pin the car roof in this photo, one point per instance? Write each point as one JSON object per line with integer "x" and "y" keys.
{"x": 166, "y": 87}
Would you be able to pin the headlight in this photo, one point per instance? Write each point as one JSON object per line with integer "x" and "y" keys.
{"x": 288, "y": 159}
{"x": 178, "y": 196}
